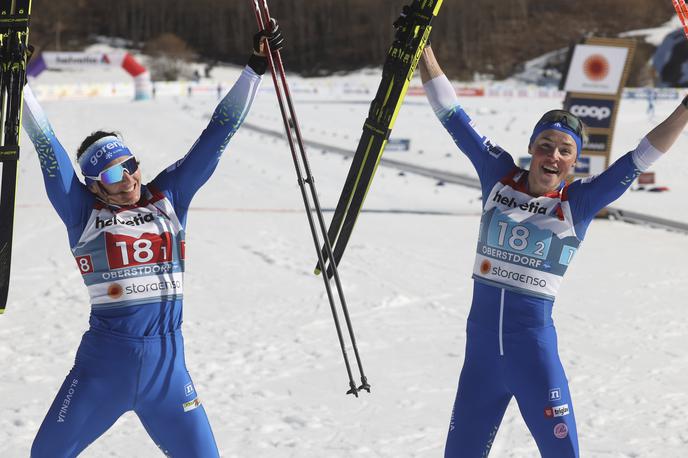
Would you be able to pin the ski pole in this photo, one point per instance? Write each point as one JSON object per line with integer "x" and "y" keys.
{"x": 682, "y": 11}
{"x": 276, "y": 67}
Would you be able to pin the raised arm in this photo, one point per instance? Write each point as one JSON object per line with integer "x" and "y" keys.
{"x": 490, "y": 161}
{"x": 68, "y": 195}
{"x": 665, "y": 134}
{"x": 183, "y": 179}
{"x": 594, "y": 193}
{"x": 429, "y": 67}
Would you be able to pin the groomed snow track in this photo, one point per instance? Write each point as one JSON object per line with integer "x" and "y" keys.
{"x": 472, "y": 182}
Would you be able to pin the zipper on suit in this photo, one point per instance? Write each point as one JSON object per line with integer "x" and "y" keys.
{"x": 501, "y": 324}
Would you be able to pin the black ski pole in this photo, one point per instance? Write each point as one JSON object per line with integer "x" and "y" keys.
{"x": 276, "y": 66}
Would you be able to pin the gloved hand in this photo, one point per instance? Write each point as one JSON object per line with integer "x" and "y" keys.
{"x": 258, "y": 60}
{"x": 273, "y": 37}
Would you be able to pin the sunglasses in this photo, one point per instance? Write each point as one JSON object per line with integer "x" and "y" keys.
{"x": 115, "y": 174}
{"x": 564, "y": 117}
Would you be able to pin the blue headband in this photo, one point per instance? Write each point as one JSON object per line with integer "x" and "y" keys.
{"x": 561, "y": 128}
{"x": 100, "y": 154}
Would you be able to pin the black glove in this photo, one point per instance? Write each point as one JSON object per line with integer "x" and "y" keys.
{"x": 274, "y": 39}
{"x": 258, "y": 60}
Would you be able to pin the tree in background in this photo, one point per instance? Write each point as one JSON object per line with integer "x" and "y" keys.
{"x": 327, "y": 36}
{"x": 170, "y": 57}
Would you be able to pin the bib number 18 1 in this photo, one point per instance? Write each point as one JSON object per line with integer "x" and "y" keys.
{"x": 125, "y": 251}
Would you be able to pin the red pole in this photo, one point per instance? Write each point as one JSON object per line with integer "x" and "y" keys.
{"x": 682, "y": 11}
{"x": 276, "y": 66}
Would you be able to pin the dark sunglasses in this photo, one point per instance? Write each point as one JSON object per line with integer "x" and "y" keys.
{"x": 115, "y": 174}
{"x": 564, "y": 117}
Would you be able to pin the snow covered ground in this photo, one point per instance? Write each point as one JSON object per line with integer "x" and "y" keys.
{"x": 260, "y": 341}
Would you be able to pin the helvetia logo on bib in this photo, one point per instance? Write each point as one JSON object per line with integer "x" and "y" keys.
{"x": 115, "y": 291}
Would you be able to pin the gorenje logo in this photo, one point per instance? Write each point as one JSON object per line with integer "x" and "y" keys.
{"x": 531, "y": 207}
{"x": 586, "y": 111}
{"x": 135, "y": 221}
{"x": 107, "y": 148}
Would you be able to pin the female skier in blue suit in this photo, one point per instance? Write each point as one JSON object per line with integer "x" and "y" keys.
{"x": 532, "y": 225}
{"x": 128, "y": 242}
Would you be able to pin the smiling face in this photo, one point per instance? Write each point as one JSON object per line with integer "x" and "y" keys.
{"x": 554, "y": 154}
{"x": 126, "y": 192}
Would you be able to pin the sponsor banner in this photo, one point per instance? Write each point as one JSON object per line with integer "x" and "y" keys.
{"x": 596, "y": 69}
{"x": 149, "y": 288}
{"x": 646, "y": 178}
{"x": 83, "y": 91}
{"x": 519, "y": 91}
{"x": 54, "y": 59}
{"x": 654, "y": 93}
{"x": 595, "y": 113}
{"x": 415, "y": 91}
{"x": 398, "y": 144}
{"x": 460, "y": 91}
{"x": 185, "y": 88}
{"x": 74, "y": 59}
{"x": 470, "y": 91}
{"x": 517, "y": 277}
{"x": 589, "y": 164}
{"x": 598, "y": 143}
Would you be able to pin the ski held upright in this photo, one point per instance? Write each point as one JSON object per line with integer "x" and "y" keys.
{"x": 412, "y": 33}
{"x": 14, "y": 33}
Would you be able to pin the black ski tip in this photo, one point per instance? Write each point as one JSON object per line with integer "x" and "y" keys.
{"x": 352, "y": 389}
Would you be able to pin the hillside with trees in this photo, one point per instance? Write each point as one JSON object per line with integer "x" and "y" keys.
{"x": 326, "y": 36}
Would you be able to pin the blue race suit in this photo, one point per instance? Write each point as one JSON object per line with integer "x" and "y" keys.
{"x": 132, "y": 262}
{"x": 525, "y": 245}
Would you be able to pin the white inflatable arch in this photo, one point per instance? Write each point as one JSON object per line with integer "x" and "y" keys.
{"x": 51, "y": 60}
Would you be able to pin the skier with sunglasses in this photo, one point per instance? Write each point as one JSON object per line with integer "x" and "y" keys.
{"x": 128, "y": 242}
{"x": 532, "y": 224}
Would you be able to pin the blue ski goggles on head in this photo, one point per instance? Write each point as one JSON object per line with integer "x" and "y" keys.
{"x": 115, "y": 174}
